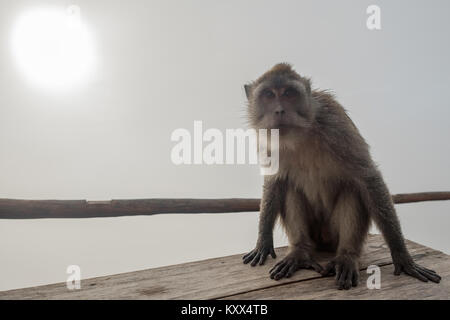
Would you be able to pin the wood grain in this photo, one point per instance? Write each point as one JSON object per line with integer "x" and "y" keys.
{"x": 224, "y": 277}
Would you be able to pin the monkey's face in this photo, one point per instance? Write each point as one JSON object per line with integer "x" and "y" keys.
{"x": 279, "y": 103}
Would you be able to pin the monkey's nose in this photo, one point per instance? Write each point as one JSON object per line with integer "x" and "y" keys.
{"x": 279, "y": 112}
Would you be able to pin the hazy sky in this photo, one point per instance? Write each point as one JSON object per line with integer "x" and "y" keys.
{"x": 159, "y": 66}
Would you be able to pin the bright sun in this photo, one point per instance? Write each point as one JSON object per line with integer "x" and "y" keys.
{"x": 53, "y": 47}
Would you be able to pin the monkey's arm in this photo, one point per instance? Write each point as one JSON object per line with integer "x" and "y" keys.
{"x": 383, "y": 213}
{"x": 270, "y": 208}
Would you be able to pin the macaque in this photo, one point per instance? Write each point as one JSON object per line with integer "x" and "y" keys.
{"x": 327, "y": 189}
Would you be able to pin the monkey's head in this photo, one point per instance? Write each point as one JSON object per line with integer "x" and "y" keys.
{"x": 280, "y": 99}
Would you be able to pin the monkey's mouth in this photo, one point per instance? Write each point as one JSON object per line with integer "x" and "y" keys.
{"x": 282, "y": 125}
{"x": 288, "y": 124}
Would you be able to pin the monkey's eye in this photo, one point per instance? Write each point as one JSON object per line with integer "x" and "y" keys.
{"x": 268, "y": 94}
{"x": 289, "y": 93}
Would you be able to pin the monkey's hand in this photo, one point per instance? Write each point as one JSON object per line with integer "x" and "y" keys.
{"x": 260, "y": 253}
{"x": 292, "y": 263}
{"x": 404, "y": 262}
{"x": 346, "y": 270}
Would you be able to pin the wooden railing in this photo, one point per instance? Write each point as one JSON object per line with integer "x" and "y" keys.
{"x": 57, "y": 209}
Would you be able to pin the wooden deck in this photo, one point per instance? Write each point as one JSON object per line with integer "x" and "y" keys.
{"x": 229, "y": 278}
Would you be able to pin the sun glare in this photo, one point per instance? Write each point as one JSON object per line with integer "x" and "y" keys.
{"x": 53, "y": 47}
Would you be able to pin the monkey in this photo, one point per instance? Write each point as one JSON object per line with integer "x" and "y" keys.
{"x": 327, "y": 190}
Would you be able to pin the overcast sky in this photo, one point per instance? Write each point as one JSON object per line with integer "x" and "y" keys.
{"x": 160, "y": 65}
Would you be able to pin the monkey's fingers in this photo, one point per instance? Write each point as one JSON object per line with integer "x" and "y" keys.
{"x": 249, "y": 256}
{"x": 258, "y": 255}
{"x": 280, "y": 271}
{"x": 329, "y": 270}
{"x": 288, "y": 266}
{"x": 272, "y": 253}
{"x": 345, "y": 280}
{"x": 291, "y": 270}
{"x": 276, "y": 265}
{"x": 342, "y": 280}
{"x": 429, "y": 270}
{"x": 263, "y": 258}
{"x": 355, "y": 279}
{"x": 418, "y": 272}
{"x": 256, "y": 259}
{"x": 398, "y": 270}
{"x": 264, "y": 254}
{"x": 246, "y": 255}
{"x": 427, "y": 273}
{"x": 310, "y": 264}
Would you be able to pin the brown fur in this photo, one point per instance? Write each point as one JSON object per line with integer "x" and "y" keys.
{"x": 327, "y": 189}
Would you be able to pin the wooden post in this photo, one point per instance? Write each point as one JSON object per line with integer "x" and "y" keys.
{"x": 58, "y": 209}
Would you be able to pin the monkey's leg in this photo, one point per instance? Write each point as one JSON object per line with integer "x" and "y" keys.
{"x": 301, "y": 247}
{"x": 273, "y": 195}
{"x": 383, "y": 212}
{"x": 352, "y": 224}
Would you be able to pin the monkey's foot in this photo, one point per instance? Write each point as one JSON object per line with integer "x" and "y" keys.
{"x": 290, "y": 264}
{"x": 407, "y": 265}
{"x": 346, "y": 270}
{"x": 259, "y": 254}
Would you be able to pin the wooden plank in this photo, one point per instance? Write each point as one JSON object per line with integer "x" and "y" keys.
{"x": 392, "y": 287}
{"x": 52, "y": 209}
{"x": 207, "y": 279}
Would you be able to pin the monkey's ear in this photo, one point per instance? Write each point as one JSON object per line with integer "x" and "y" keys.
{"x": 308, "y": 84}
{"x": 248, "y": 90}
